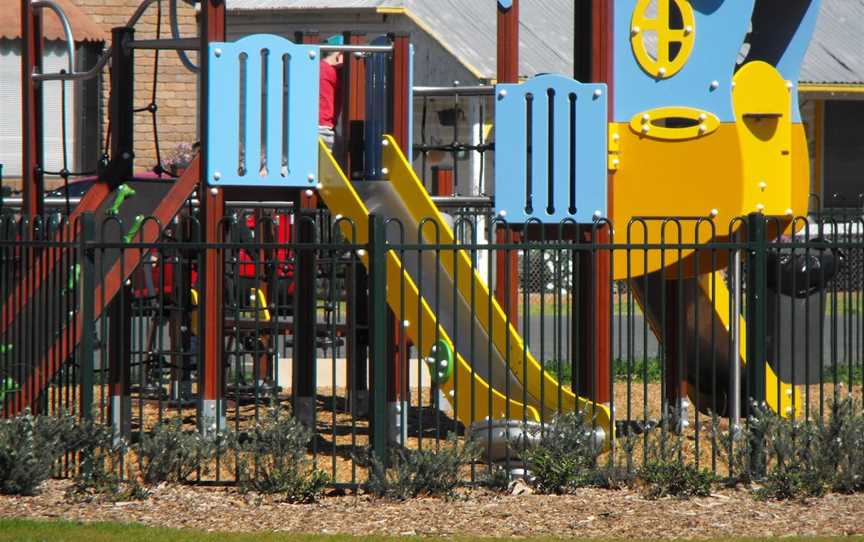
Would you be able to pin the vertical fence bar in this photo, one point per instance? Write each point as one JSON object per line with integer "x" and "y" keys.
{"x": 306, "y": 320}
{"x": 756, "y": 316}
{"x": 756, "y": 281}
{"x": 378, "y": 334}
{"x": 88, "y": 325}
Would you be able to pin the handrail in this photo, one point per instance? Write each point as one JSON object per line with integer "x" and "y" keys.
{"x": 175, "y": 33}
{"x": 67, "y": 28}
{"x": 106, "y": 54}
{"x": 478, "y": 90}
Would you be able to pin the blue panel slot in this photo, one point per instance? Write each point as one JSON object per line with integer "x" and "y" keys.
{"x": 550, "y": 150}
{"x": 263, "y": 113}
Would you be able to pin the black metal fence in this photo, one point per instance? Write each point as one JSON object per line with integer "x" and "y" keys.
{"x": 98, "y": 322}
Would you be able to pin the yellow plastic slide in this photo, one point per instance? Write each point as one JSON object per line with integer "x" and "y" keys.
{"x": 503, "y": 381}
{"x": 706, "y": 340}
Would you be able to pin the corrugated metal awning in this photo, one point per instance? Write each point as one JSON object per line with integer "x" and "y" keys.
{"x": 83, "y": 27}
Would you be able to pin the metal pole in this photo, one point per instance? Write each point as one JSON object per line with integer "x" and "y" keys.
{"x": 735, "y": 377}
{"x": 122, "y": 107}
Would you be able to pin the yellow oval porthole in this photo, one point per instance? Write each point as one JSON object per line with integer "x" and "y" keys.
{"x": 674, "y": 123}
{"x": 662, "y": 44}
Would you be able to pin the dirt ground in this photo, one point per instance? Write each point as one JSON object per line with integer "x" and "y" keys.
{"x": 589, "y": 514}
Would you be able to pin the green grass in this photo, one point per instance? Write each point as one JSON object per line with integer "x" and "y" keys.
{"x": 620, "y": 368}
{"x": 21, "y": 530}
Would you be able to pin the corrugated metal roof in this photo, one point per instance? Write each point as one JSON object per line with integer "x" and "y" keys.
{"x": 835, "y": 55}
{"x": 83, "y": 27}
{"x": 467, "y": 29}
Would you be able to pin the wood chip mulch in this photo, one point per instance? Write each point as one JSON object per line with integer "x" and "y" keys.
{"x": 590, "y": 513}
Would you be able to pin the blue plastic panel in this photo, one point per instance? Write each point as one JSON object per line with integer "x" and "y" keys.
{"x": 550, "y": 150}
{"x": 263, "y": 112}
{"x": 720, "y": 27}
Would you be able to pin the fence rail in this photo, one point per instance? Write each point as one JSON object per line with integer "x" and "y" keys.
{"x": 670, "y": 368}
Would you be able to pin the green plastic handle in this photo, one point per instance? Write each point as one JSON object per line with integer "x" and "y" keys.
{"x": 123, "y": 191}
{"x": 133, "y": 231}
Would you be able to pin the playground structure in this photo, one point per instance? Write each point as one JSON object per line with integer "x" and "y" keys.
{"x": 665, "y": 164}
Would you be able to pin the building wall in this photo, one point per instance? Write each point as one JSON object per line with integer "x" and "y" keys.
{"x": 177, "y": 87}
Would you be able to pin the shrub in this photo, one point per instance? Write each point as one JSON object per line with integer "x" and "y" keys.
{"x": 412, "y": 473}
{"x": 665, "y": 474}
{"x": 170, "y": 454}
{"x": 793, "y": 459}
{"x": 672, "y": 478}
{"x": 565, "y": 456}
{"x": 839, "y": 448}
{"x": 272, "y": 460}
{"x": 29, "y": 446}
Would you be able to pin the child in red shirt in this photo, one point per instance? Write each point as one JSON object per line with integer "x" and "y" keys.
{"x": 330, "y": 92}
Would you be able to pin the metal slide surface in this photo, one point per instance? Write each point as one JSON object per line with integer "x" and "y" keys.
{"x": 492, "y": 359}
{"x": 707, "y": 340}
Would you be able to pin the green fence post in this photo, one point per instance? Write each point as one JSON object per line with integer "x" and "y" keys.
{"x": 87, "y": 286}
{"x": 756, "y": 281}
{"x": 378, "y": 334}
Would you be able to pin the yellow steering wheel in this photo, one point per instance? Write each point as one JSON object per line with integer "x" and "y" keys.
{"x": 675, "y": 36}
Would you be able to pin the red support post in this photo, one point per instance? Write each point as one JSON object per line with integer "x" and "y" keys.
{"x": 212, "y": 414}
{"x": 442, "y": 180}
{"x": 507, "y": 261}
{"x": 31, "y": 104}
{"x": 354, "y": 116}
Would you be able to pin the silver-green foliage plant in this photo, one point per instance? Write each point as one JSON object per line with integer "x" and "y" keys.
{"x": 29, "y": 447}
{"x": 272, "y": 460}
{"x": 564, "y": 457}
{"x": 171, "y": 454}
{"x": 427, "y": 472}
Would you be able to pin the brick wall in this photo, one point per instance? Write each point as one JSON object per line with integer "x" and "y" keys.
{"x": 176, "y": 96}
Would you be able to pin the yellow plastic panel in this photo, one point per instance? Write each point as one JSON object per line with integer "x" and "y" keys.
{"x": 538, "y": 383}
{"x": 688, "y": 178}
{"x": 762, "y": 104}
{"x": 789, "y": 394}
{"x": 654, "y": 123}
{"x": 473, "y": 400}
{"x": 800, "y": 171}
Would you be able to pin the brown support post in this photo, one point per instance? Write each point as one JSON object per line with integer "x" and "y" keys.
{"x": 602, "y": 72}
{"x": 304, "y": 355}
{"x": 397, "y": 376}
{"x": 354, "y": 108}
{"x": 357, "y": 313}
{"x": 507, "y": 261}
{"x": 211, "y": 413}
{"x": 592, "y": 320}
{"x": 31, "y": 105}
